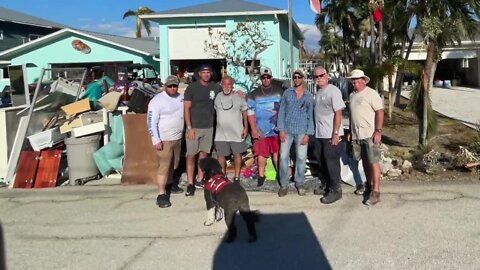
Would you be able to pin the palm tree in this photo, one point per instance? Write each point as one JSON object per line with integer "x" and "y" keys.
{"x": 441, "y": 22}
{"x": 138, "y": 21}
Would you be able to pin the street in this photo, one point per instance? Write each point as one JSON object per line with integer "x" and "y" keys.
{"x": 417, "y": 225}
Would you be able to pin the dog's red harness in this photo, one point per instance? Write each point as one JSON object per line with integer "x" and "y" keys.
{"x": 217, "y": 183}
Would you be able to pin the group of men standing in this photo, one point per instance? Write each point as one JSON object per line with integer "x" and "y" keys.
{"x": 277, "y": 119}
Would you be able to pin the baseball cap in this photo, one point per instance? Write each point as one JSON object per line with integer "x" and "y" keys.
{"x": 299, "y": 72}
{"x": 172, "y": 80}
{"x": 265, "y": 71}
{"x": 205, "y": 67}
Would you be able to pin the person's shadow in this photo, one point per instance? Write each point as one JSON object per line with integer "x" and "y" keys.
{"x": 285, "y": 241}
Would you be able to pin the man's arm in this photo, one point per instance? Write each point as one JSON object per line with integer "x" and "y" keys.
{"x": 377, "y": 134}
{"x": 245, "y": 124}
{"x": 187, "y": 105}
{"x": 153, "y": 117}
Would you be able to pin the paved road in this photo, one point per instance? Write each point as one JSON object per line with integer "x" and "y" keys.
{"x": 416, "y": 226}
{"x": 461, "y": 103}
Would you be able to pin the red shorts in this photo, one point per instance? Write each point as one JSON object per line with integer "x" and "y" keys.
{"x": 266, "y": 146}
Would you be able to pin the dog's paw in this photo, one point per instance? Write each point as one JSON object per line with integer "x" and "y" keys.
{"x": 209, "y": 222}
{"x": 218, "y": 214}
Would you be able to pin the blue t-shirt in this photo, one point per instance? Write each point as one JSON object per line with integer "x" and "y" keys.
{"x": 264, "y": 104}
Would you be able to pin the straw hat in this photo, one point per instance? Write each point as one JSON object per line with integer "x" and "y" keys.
{"x": 357, "y": 73}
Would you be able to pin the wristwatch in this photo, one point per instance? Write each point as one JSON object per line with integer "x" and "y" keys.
{"x": 335, "y": 132}
{"x": 379, "y": 130}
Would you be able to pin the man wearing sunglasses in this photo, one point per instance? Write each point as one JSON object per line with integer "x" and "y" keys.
{"x": 295, "y": 124}
{"x": 165, "y": 125}
{"x": 232, "y": 126}
{"x": 328, "y": 110}
{"x": 199, "y": 118}
{"x": 263, "y": 104}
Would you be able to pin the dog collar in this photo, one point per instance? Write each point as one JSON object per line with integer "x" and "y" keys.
{"x": 217, "y": 183}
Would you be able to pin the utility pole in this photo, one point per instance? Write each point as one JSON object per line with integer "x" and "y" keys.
{"x": 290, "y": 38}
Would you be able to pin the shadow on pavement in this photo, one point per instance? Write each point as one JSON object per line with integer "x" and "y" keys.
{"x": 285, "y": 241}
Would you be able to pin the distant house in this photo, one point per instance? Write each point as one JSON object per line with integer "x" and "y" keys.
{"x": 460, "y": 63}
{"x": 183, "y": 33}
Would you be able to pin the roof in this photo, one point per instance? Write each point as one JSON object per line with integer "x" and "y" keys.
{"x": 149, "y": 47}
{"x": 224, "y": 7}
{"x": 13, "y": 16}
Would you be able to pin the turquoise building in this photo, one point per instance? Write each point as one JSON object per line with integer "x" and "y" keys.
{"x": 184, "y": 31}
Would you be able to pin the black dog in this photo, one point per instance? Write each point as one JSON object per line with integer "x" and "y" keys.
{"x": 221, "y": 192}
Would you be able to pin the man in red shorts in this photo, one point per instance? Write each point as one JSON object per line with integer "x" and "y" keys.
{"x": 263, "y": 105}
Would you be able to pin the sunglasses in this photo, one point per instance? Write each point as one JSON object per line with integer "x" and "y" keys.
{"x": 172, "y": 86}
{"x": 266, "y": 77}
{"x": 297, "y": 77}
{"x": 320, "y": 76}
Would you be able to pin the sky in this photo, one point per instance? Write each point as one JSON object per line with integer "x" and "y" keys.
{"x": 105, "y": 16}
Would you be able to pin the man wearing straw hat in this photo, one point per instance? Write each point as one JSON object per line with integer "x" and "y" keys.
{"x": 366, "y": 122}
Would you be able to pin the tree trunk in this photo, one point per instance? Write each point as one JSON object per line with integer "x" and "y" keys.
{"x": 425, "y": 81}
{"x": 380, "y": 57}
{"x": 372, "y": 40}
{"x": 390, "y": 97}
{"x": 398, "y": 79}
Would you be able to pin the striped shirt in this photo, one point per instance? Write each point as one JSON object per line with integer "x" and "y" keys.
{"x": 296, "y": 115}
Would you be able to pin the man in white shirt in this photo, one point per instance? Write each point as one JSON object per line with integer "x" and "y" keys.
{"x": 165, "y": 125}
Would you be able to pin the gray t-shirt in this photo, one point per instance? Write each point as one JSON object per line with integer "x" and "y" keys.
{"x": 229, "y": 117}
{"x": 202, "y": 97}
{"x": 327, "y": 101}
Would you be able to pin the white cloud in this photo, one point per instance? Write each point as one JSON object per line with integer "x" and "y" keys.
{"x": 312, "y": 36}
{"x": 119, "y": 28}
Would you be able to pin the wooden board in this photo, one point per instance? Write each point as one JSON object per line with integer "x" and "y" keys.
{"x": 26, "y": 169}
{"x": 47, "y": 171}
{"x": 141, "y": 161}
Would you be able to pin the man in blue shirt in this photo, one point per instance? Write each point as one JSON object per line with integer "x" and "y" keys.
{"x": 295, "y": 124}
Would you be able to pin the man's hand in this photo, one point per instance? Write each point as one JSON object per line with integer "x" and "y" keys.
{"x": 158, "y": 146}
{"x": 241, "y": 94}
{"x": 377, "y": 137}
{"x": 191, "y": 134}
{"x": 283, "y": 136}
{"x": 255, "y": 134}
{"x": 244, "y": 133}
{"x": 335, "y": 139}
{"x": 304, "y": 140}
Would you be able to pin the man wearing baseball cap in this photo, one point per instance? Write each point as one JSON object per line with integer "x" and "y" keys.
{"x": 165, "y": 125}
{"x": 366, "y": 122}
{"x": 263, "y": 105}
{"x": 199, "y": 119}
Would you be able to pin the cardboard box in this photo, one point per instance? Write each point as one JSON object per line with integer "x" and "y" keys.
{"x": 76, "y": 107}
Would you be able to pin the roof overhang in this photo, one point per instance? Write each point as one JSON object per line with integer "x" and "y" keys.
{"x": 220, "y": 14}
{"x": 45, "y": 39}
{"x": 32, "y": 24}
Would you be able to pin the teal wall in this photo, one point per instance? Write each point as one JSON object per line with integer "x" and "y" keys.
{"x": 60, "y": 51}
{"x": 285, "y": 49}
{"x": 271, "y": 58}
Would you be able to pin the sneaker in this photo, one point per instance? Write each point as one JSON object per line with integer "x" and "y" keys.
{"x": 282, "y": 192}
{"x": 374, "y": 198}
{"x": 301, "y": 191}
{"x": 190, "y": 190}
{"x": 163, "y": 201}
{"x": 174, "y": 189}
{"x": 199, "y": 184}
{"x": 331, "y": 197}
{"x": 260, "y": 181}
{"x": 360, "y": 189}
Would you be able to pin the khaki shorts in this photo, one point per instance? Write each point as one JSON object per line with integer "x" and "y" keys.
{"x": 366, "y": 149}
{"x": 170, "y": 155}
{"x": 202, "y": 142}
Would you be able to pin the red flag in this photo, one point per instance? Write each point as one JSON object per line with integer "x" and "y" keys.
{"x": 377, "y": 15}
{"x": 315, "y": 5}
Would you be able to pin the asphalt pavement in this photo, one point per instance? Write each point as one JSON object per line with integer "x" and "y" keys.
{"x": 429, "y": 225}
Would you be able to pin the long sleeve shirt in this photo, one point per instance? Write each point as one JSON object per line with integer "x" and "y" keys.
{"x": 165, "y": 118}
{"x": 296, "y": 115}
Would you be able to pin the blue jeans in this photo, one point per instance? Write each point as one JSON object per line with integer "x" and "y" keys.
{"x": 301, "y": 157}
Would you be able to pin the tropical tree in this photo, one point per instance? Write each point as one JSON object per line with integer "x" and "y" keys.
{"x": 441, "y": 22}
{"x": 138, "y": 21}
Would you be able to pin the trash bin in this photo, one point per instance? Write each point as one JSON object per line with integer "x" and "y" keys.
{"x": 80, "y": 157}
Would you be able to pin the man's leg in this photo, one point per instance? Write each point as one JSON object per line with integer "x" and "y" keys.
{"x": 300, "y": 163}
{"x": 164, "y": 171}
{"x": 332, "y": 168}
{"x": 284, "y": 160}
{"x": 190, "y": 168}
{"x": 201, "y": 156}
{"x": 376, "y": 177}
{"x": 237, "y": 162}
{"x": 205, "y": 142}
{"x": 223, "y": 163}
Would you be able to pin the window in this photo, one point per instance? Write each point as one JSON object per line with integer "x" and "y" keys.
{"x": 33, "y": 37}
{"x": 256, "y": 66}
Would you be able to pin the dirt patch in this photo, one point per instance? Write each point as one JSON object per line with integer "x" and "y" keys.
{"x": 400, "y": 134}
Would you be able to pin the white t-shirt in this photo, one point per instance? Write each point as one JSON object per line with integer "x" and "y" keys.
{"x": 165, "y": 117}
{"x": 363, "y": 105}
{"x": 229, "y": 117}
